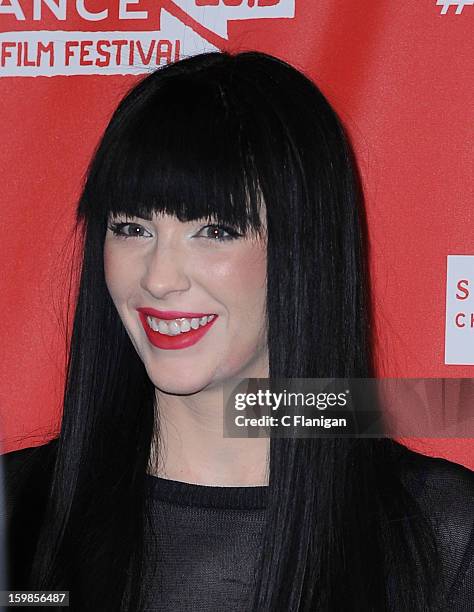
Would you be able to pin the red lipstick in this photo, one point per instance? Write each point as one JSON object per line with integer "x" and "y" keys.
{"x": 180, "y": 341}
{"x": 172, "y": 314}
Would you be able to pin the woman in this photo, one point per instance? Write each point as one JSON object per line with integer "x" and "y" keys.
{"x": 224, "y": 236}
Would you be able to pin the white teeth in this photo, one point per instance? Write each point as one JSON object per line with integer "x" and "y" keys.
{"x": 153, "y": 323}
{"x": 162, "y": 327}
{"x": 185, "y": 326}
{"x": 175, "y": 327}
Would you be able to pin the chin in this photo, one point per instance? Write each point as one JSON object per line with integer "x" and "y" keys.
{"x": 174, "y": 386}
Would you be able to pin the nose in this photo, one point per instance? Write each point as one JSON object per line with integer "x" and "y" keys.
{"x": 165, "y": 272}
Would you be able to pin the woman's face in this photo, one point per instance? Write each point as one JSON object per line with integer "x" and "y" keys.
{"x": 191, "y": 297}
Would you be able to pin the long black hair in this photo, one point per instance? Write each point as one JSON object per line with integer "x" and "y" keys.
{"x": 213, "y": 136}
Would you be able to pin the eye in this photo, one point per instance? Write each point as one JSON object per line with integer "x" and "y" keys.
{"x": 129, "y": 230}
{"x": 219, "y": 233}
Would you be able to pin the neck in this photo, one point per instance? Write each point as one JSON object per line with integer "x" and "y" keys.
{"x": 191, "y": 446}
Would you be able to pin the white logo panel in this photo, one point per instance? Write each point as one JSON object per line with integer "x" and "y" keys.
{"x": 459, "y": 4}
{"x": 459, "y": 341}
{"x": 53, "y": 53}
{"x": 215, "y": 17}
{"x": 188, "y": 28}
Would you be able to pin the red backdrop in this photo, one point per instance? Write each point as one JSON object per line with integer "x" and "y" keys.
{"x": 397, "y": 73}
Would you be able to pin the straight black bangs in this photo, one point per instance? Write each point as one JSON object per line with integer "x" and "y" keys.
{"x": 181, "y": 145}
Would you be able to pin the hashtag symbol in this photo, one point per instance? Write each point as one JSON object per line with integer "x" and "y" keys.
{"x": 459, "y": 4}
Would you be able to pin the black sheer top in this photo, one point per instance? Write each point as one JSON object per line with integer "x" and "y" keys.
{"x": 209, "y": 537}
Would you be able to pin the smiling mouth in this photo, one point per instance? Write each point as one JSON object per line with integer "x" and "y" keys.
{"x": 176, "y": 327}
{"x": 174, "y": 333}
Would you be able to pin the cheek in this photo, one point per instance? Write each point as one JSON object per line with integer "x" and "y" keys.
{"x": 249, "y": 282}
{"x": 111, "y": 271}
{"x": 119, "y": 274}
{"x": 246, "y": 338}
{"x": 240, "y": 285}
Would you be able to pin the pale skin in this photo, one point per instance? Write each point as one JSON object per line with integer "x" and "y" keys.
{"x": 166, "y": 264}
